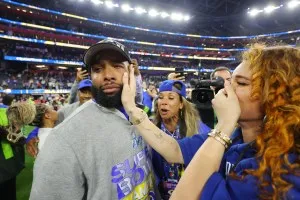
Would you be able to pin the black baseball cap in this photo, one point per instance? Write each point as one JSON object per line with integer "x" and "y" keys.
{"x": 107, "y": 44}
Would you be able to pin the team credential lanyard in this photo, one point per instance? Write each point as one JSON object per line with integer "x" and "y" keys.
{"x": 172, "y": 172}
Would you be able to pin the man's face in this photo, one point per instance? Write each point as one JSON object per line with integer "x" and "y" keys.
{"x": 224, "y": 74}
{"x": 107, "y": 78}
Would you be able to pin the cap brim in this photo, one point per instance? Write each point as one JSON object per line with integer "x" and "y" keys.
{"x": 96, "y": 48}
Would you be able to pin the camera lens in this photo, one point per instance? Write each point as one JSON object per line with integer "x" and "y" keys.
{"x": 202, "y": 97}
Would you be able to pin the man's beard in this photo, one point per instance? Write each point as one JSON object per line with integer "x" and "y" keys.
{"x": 112, "y": 101}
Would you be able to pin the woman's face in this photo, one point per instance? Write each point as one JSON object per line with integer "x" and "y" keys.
{"x": 251, "y": 109}
{"x": 51, "y": 114}
{"x": 169, "y": 104}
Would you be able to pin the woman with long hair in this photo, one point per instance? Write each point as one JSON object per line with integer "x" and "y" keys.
{"x": 12, "y": 140}
{"x": 178, "y": 118}
{"x": 257, "y": 160}
{"x": 44, "y": 120}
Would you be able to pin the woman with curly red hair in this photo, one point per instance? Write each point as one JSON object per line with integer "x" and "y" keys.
{"x": 257, "y": 160}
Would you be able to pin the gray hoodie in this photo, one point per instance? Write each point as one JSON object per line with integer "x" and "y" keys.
{"x": 94, "y": 154}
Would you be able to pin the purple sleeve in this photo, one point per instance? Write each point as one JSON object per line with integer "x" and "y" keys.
{"x": 32, "y": 134}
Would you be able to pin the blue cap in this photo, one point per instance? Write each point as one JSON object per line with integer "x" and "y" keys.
{"x": 168, "y": 85}
{"x": 85, "y": 83}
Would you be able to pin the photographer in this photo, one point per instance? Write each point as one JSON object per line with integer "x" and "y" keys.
{"x": 222, "y": 72}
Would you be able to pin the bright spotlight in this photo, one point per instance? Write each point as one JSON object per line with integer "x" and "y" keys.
{"x": 140, "y": 10}
{"x": 164, "y": 15}
{"x": 269, "y": 9}
{"x": 110, "y": 4}
{"x": 176, "y": 16}
{"x": 186, "y": 18}
{"x": 254, "y": 12}
{"x": 293, "y": 4}
{"x": 96, "y": 2}
{"x": 126, "y": 8}
{"x": 153, "y": 13}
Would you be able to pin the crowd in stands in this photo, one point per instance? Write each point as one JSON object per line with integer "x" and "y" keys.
{"x": 37, "y": 79}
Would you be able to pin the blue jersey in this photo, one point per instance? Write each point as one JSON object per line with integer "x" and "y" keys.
{"x": 239, "y": 157}
{"x": 147, "y": 100}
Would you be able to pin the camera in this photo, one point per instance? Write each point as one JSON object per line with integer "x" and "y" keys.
{"x": 203, "y": 91}
{"x": 202, "y": 96}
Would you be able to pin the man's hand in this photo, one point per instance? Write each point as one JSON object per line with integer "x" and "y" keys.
{"x": 81, "y": 75}
{"x": 31, "y": 147}
{"x": 176, "y": 77}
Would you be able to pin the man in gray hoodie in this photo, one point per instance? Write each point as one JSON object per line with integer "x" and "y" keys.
{"x": 96, "y": 153}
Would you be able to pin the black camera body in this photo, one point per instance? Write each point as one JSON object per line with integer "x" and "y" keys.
{"x": 202, "y": 96}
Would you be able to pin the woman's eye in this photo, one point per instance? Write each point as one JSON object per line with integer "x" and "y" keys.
{"x": 241, "y": 83}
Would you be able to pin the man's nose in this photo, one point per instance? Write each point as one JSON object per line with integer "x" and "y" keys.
{"x": 108, "y": 72}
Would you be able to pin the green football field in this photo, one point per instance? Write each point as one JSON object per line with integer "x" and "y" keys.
{"x": 24, "y": 179}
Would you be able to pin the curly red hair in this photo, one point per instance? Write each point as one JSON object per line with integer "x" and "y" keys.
{"x": 276, "y": 80}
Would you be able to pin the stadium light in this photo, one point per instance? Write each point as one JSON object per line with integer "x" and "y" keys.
{"x": 186, "y": 18}
{"x": 140, "y": 10}
{"x": 40, "y": 66}
{"x": 176, "y": 16}
{"x": 126, "y": 8}
{"x": 254, "y": 12}
{"x": 164, "y": 15}
{"x": 110, "y": 4}
{"x": 293, "y": 4}
{"x": 153, "y": 13}
{"x": 269, "y": 9}
{"x": 97, "y": 2}
{"x": 62, "y": 67}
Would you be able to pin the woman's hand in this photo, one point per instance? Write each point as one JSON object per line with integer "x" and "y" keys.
{"x": 227, "y": 108}
{"x": 176, "y": 77}
{"x": 80, "y": 75}
{"x": 129, "y": 90}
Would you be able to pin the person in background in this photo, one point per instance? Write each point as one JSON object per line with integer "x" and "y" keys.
{"x": 139, "y": 82}
{"x": 149, "y": 96}
{"x": 178, "y": 118}
{"x": 45, "y": 119}
{"x": 12, "y": 154}
{"x": 84, "y": 94}
{"x": 222, "y": 72}
{"x": 80, "y": 75}
{"x": 259, "y": 159}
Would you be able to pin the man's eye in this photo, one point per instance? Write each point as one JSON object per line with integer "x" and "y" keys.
{"x": 98, "y": 69}
{"x": 118, "y": 66}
